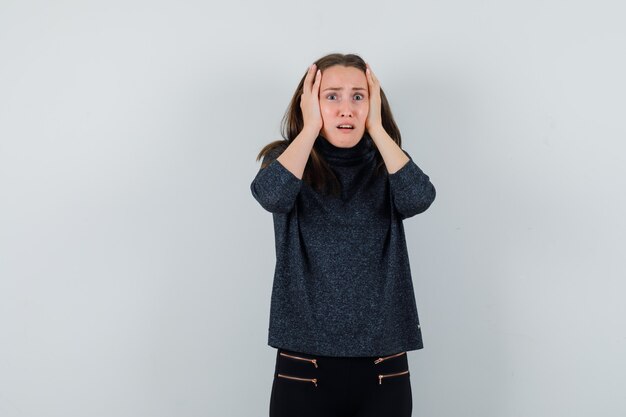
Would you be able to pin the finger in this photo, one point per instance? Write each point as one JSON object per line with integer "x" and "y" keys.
{"x": 370, "y": 82}
{"x": 371, "y": 73}
{"x": 316, "y": 85}
{"x": 375, "y": 78}
{"x": 368, "y": 75}
{"x": 308, "y": 79}
{"x": 371, "y": 79}
{"x": 312, "y": 73}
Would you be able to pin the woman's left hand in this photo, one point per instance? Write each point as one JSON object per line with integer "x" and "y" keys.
{"x": 374, "y": 118}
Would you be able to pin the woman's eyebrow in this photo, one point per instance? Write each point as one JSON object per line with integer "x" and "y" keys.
{"x": 341, "y": 88}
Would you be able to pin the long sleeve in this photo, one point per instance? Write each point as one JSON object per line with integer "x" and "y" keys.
{"x": 411, "y": 189}
{"x": 275, "y": 187}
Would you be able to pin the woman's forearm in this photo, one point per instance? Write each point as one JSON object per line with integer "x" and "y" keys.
{"x": 295, "y": 156}
{"x": 392, "y": 154}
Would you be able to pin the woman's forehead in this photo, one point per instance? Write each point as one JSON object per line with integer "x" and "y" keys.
{"x": 340, "y": 76}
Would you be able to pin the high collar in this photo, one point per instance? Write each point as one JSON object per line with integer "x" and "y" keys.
{"x": 334, "y": 155}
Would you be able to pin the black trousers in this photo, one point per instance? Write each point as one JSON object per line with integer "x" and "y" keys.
{"x": 313, "y": 385}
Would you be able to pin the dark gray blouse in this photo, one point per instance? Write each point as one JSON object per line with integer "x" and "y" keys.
{"x": 342, "y": 284}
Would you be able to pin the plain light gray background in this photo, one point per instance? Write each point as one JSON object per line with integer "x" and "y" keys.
{"x": 136, "y": 267}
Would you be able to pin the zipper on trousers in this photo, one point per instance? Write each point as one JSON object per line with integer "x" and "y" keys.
{"x": 313, "y": 380}
{"x": 380, "y": 377}
{"x": 314, "y": 361}
{"x": 379, "y": 360}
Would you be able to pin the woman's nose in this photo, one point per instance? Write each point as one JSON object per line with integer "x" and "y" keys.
{"x": 345, "y": 111}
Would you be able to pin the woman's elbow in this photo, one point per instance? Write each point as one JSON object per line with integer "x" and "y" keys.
{"x": 423, "y": 200}
{"x": 272, "y": 202}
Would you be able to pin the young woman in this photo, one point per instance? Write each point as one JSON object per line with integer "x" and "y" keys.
{"x": 343, "y": 312}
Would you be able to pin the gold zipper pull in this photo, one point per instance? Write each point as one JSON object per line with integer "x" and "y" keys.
{"x": 380, "y": 377}
{"x": 379, "y": 360}
{"x": 313, "y": 361}
{"x": 313, "y": 380}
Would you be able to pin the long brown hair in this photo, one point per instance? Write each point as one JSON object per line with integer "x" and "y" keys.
{"x": 317, "y": 172}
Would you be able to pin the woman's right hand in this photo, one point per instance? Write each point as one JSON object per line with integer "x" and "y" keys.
{"x": 310, "y": 102}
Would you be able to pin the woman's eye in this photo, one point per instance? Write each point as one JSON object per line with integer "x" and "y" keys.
{"x": 331, "y": 96}
{"x": 358, "y": 96}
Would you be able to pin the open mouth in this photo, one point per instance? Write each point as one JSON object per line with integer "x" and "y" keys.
{"x": 345, "y": 127}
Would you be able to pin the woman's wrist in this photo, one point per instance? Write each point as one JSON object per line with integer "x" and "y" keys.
{"x": 376, "y": 131}
{"x": 310, "y": 131}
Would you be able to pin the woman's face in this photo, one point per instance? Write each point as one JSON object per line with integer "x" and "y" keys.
{"x": 344, "y": 101}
